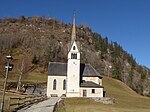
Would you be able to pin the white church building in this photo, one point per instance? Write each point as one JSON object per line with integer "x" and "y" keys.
{"x": 73, "y": 79}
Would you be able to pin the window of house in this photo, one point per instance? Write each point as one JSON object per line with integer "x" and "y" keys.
{"x": 64, "y": 84}
{"x": 73, "y": 56}
{"x": 93, "y": 90}
{"x": 74, "y": 48}
{"x": 54, "y": 84}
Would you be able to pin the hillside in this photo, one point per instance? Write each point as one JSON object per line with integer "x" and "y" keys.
{"x": 126, "y": 100}
{"x": 38, "y": 40}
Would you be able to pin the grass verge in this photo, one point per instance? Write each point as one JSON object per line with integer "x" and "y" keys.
{"x": 126, "y": 100}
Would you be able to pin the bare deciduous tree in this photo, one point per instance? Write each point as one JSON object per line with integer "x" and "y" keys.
{"x": 22, "y": 67}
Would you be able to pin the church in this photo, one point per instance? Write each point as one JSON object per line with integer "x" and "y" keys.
{"x": 73, "y": 79}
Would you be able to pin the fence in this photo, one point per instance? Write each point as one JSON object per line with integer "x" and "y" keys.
{"x": 57, "y": 103}
{"x": 18, "y": 103}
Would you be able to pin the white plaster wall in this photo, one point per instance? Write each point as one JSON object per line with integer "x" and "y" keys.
{"x": 100, "y": 81}
{"x": 74, "y": 44}
{"x": 73, "y": 71}
{"x": 73, "y": 94}
{"x": 96, "y": 80}
{"x": 74, "y": 51}
{"x": 59, "y": 85}
{"x": 98, "y": 92}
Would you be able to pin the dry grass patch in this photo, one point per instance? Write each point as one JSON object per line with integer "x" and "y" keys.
{"x": 7, "y": 96}
{"x": 126, "y": 100}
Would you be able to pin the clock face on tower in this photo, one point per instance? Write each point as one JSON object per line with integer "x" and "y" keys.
{"x": 74, "y": 63}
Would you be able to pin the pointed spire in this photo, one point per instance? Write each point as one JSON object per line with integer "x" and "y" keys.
{"x": 73, "y": 36}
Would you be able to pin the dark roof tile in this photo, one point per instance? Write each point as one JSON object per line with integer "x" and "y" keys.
{"x": 60, "y": 69}
{"x": 56, "y": 68}
{"x": 90, "y": 84}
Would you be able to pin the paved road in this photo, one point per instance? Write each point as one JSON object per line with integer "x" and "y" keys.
{"x": 44, "y": 106}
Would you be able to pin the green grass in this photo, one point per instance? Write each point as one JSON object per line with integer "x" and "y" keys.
{"x": 126, "y": 100}
{"x": 35, "y": 76}
{"x": 7, "y": 96}
{"x": 32, "y": 77}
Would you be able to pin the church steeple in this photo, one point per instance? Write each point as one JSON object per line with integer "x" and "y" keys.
{"x": 73, "y": 66}
{"x": 73, "y": 36}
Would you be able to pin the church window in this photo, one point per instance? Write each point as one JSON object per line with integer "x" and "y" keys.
{"x": 73, "y": 56}
{"x": 74, "y": 48}
{"x": 93, "y": 90}
{"x": 54, "y": 84}
{"x": 64, "y": 84}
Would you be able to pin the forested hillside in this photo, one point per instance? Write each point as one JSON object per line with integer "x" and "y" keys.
{"x": 38, "y": 40}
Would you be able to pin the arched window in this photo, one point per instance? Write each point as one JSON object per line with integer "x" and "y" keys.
{"x": 64, "y": 84}
{"x": 54, "y": 84}
{"x": 73, "y": 56}
{"x": 74, "y": 48}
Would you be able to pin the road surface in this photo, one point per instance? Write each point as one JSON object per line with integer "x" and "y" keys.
{"x": 44, "y": 106}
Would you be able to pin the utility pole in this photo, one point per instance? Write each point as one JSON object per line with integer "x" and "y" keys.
{"x": 8, "y": 68}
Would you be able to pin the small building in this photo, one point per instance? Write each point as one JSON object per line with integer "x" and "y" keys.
{"x": 73, "y": 79}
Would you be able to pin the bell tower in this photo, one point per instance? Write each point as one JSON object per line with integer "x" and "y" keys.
{"x": 73, "y": 66}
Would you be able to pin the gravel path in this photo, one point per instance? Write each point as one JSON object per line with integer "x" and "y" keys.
{"x": 44, "y": 106}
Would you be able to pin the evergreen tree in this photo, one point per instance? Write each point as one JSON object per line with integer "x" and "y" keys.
{"x": 35, "y": 60}
{"x": 96, "y": 38}
{"x": 117, "y": 70}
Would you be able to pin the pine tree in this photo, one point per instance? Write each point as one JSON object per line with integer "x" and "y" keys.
{"x": 35, "y": 60}
{"x": 117, "y": 70}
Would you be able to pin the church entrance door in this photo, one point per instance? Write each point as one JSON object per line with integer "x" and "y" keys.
{"x": 84, "y": 93}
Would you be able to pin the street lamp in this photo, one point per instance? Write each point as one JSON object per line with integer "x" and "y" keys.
{"x": 8, "y": 68}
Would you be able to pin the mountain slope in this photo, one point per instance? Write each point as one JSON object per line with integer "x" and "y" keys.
{"x": 39, "y": 40}
{"x": 126, "y": 100}
{"x": 125, "y": 96}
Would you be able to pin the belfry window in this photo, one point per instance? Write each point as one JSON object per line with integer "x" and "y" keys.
{"x": 64, "y": 84}
{"x": 54, "y": 84}
{"x": 74, "y": 48}
{"x": 73, "y": 56}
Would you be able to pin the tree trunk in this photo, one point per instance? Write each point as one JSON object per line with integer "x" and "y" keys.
{"x": 19, "y": 82}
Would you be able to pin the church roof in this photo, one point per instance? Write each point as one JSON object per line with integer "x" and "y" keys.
{"x": 90, "y": 84}
{"x": 57, "y": 68}
{"x": 86, "y": 70}
{"x": 60, "y": 69}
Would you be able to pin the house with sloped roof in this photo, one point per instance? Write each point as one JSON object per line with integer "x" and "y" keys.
{"x": 73, "y": 79}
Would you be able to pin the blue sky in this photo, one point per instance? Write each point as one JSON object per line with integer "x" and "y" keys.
{"x": 124, "y": 21}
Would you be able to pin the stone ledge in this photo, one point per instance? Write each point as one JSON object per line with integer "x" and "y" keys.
{"x": 104, "y": 100}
